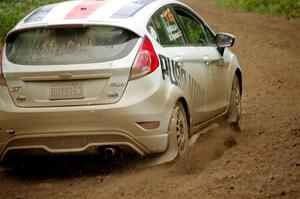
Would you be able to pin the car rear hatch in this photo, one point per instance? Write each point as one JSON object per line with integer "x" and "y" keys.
{"x": 65, "y": 66}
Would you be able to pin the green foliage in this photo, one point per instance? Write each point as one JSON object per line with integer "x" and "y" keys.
{"x": 12, "y": 11}
{"x": 288, "y": 8}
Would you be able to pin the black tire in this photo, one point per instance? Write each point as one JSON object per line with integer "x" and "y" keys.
{"x": 235, "y": 105}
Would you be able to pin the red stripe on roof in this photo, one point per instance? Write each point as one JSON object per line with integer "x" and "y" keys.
{"x": 84, "y": 9}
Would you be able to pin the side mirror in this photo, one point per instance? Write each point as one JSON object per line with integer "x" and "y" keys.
{"x": 224, "y": 40}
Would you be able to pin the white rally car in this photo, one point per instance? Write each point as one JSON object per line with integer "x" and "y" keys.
{"x": 108, "y": 74}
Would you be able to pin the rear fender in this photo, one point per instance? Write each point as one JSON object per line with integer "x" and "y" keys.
{"x": 234, "y": 68}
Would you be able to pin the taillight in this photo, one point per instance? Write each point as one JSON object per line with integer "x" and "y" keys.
{"x": 2, "y": 80}
{"x": 146, "y": 61}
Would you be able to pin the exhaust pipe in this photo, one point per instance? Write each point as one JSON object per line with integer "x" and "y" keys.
{"x": 109, "y": 152}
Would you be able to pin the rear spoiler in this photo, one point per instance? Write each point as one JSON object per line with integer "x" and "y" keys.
{"x": 13, "y": 33}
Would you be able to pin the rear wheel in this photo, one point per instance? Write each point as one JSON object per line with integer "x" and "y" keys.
{"x": 235, "y": 105}
{"x": 179, "y": 128}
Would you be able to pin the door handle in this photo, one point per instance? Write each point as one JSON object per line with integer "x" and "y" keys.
{"x": 220, "y": 62}
{"x": 207, "y": 60}
{"x": 179, "y": 59}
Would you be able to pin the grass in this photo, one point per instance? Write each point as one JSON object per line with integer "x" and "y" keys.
{"x": 12, "y": 11}
{"x": 288, "y": 8}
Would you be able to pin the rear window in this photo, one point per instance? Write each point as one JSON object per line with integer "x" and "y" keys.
{"x": 92, "y": 44}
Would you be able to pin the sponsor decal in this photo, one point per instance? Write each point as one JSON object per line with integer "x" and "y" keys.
{"x": 153, "y": 33}
{"x": 131, "y": 8}
{"x": 173, "y": 32}
{"x": 16, "y": 88}
{"x": 168, "y": 16}
{"x": 115, "y": 84}
{"x": 39, "y": 14}
{"x": 169, "y": 25}
{"x": 179, "y": 77}
{"x": 172, "y": 69}
{"x": 84, "y": 9}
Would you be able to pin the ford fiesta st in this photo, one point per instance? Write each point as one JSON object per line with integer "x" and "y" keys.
{"x": 110, "y": 74}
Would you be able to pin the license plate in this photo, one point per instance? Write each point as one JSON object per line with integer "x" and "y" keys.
{"x": 66, "y": 90}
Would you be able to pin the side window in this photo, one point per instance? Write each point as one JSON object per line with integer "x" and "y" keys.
{"x": 167, "y": 28}
{"x": 152, "y": 31}
{"x": 195, "y": 31}
{"x": 211, "y": 36}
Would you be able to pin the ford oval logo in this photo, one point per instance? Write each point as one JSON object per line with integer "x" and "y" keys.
{"x": 65, "y": 76}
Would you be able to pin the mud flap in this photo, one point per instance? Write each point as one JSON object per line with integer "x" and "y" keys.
{"x": 168, "y": 156}
{"x": 172, "y": 151}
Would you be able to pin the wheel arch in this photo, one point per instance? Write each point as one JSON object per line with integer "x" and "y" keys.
{"x": 186, "y": 109}
{"x": 238, "y": 73}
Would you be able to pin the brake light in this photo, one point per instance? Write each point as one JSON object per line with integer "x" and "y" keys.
{"x": 2, "y": 80}
{"x": 145, "y": 62}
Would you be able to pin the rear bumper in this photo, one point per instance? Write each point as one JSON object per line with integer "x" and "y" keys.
{"x": 77, "y": 128}
{"x": 79, "y": 142}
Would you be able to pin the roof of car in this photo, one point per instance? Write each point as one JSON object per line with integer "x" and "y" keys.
{"x": 125, "y": 13}
{"x": 87, "y": 9}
